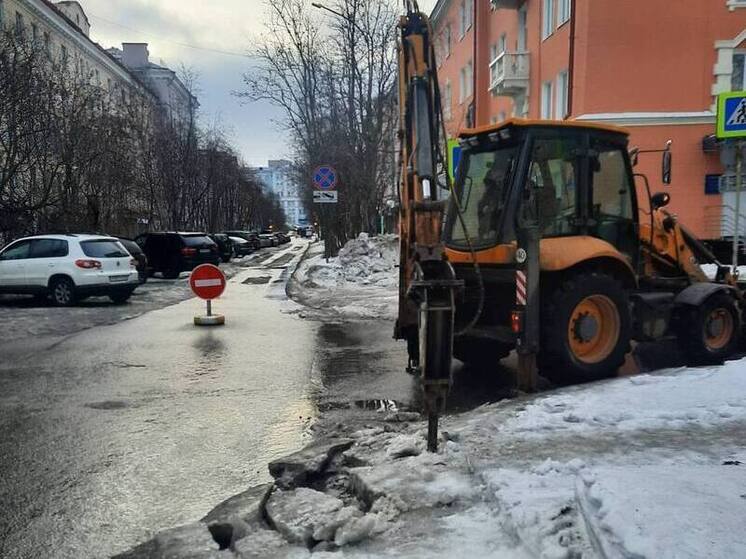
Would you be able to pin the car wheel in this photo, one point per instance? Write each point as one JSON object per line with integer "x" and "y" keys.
{"x": 171, "y": 273}
{"x": 120, "y": 298}
{"x": 62, "y": 291}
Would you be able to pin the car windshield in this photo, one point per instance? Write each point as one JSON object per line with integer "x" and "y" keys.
{"x": 482, "y": 194}
{"x": 197, "y": 240}
{"x": 106, "y": 248}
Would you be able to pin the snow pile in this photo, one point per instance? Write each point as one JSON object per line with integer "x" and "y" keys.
{"x": 361, "y": 282}
{"x": 645, "y": 467}
{"x": 681, "y": 398}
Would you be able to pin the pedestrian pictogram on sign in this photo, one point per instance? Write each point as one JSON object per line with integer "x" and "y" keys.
{"x": 731, "y": 120}
{"x": 324, "y": 178}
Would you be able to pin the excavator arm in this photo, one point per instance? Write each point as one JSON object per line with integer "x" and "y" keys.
{"x": 427, "y": 283}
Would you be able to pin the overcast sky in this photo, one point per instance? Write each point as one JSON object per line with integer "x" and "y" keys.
{"x": 213, "y": 25}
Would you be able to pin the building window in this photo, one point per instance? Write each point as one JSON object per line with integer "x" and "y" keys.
{"x": 34, "y": 32}
{"x": 465, "y": 17}
{"x": 63, "y": 55}
{"x": 20, "y": 26}
{"x": 447, "y": 100}
{"x": 448, "y": 40}
{"x": 462, "y": 85}
{"x": 493, "y": 52}
{"x": 548, "y": 22}
{"x": 563, "y": 83}
{"x": 47, "y": 43}
{"x": 563, "y": 11}
{"x": 2, "y": 14}
{"x": 502, "y": 46}
{"x": 738, "y": 77}
{"x": 546, "y": 100}
{"x": 501, "y": 117}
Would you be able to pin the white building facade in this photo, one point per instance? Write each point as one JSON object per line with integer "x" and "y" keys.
{"x": 63, "y": 30}
{"x": 277, "y": 177}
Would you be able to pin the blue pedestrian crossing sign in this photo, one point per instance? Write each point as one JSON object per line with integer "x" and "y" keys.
{"x": 324, "y": 178}
{"x": 731, "y": 120}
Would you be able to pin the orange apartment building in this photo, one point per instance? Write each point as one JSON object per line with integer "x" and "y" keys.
{"x": 652, "y": 66}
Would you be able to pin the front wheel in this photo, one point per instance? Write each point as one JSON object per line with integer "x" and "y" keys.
{"x": 709, "y": 333}
{"x": 62, "y": 291}
{"x": 586, "y": 329}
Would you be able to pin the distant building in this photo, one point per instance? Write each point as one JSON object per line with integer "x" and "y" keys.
{"x": 652, "y": 66}
{"x": 63, "y": 30}
{"x": 174, "y": 98}
{"x": 277, "y": 177}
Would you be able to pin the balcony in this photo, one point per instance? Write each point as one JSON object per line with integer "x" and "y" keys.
{"x": 506, "y": 4}
{"x": 509, "y": 74}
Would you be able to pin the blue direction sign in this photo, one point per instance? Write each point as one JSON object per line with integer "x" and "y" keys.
{"x": 731, "y": 121}
{"x": 324, "y": 178}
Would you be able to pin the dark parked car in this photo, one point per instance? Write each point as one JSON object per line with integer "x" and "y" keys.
{"x": 225, "y": 246}
{"x": 142, "y": 261}
{"x": 172, "y": 253}
{"x": 250, "y": 236}
{"x": 268, "y": 240}
{"x": 241, "y": 247}
{"x": 282, "y": 238}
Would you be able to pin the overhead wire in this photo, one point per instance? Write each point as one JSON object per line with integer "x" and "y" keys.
{"x": 177, "y": 43}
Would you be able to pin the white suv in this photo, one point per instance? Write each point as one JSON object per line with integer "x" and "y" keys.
{"x": 68, "y": 268}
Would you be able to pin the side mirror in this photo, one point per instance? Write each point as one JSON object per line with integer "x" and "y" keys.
{"x": 666, "y": 169}
{"x": 660, "y": 200}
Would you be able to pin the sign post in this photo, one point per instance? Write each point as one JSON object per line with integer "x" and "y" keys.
{"x": 731, "y": 126}
{"x": 325, "y": 179}
{"x": 208, "y": 282}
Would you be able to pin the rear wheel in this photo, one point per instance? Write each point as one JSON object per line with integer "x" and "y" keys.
{"x": 586, "y": 329}
{"x": 709, "y": 333}
{"x": 62, "y": 291}
{"x": 171, "y": 273}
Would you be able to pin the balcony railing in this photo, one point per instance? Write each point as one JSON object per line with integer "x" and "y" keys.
{"x": 509, "y": 73}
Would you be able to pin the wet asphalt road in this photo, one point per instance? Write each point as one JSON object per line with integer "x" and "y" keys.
{"x": 116, "y": 432}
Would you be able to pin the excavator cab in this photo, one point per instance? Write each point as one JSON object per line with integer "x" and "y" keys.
{"x": 570, "y": 269}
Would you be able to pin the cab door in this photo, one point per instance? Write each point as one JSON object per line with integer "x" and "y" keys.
{"x": 13, "y": 262}
{"x": 613, "y": 204}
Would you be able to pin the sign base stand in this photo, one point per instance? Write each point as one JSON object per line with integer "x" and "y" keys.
{"x": 209, "y": 320}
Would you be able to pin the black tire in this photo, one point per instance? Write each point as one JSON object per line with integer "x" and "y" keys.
{"x": 171, "y": 273}
{"x": 62, "y": 291}
{"x": 698, "y": 341}
{"x": 479, "y": 352}
{"x": 562, "y": 359}
{"x": 120, "y": 297}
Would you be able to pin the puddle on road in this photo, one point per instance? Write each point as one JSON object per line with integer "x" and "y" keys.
{"x": 257, "y": 281}
{"x": 108, "y": 405}
{"x": 281, "y": 262}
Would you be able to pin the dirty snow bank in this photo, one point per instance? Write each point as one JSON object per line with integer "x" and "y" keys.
{"x": 361, "y": 282}
{"x": 652, "y": 466}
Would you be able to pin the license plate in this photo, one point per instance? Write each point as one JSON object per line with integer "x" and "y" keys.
{"x": 118, "y": 279}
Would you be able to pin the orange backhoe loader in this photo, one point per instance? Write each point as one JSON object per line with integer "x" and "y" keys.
{"x": 545, "y": 246}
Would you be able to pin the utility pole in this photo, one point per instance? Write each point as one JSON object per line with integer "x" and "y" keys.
{"x": 739, "y": 180}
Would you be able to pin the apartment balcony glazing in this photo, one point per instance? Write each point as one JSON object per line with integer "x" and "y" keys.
{"x": 509, "y": 74}
{"x": 507, "y": 4}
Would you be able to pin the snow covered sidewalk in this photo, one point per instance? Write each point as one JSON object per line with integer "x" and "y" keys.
{"x": 652, "y": 466}
{"x": 360, "y": 283}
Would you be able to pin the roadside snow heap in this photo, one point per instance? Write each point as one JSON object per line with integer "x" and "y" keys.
{"x": 361, "y": 282}
{"x": 645, "y": 467}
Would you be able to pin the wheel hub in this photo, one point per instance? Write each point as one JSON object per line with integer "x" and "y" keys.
{"x": 586, "y": 328}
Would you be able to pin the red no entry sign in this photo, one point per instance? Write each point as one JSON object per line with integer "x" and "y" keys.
{"x": 207, "y": 282}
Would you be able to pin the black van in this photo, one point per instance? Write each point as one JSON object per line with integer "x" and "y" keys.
{"x": 173, "y": 253}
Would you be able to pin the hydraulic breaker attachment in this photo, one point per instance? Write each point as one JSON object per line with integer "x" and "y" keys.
{"x": 433, "y": 291}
